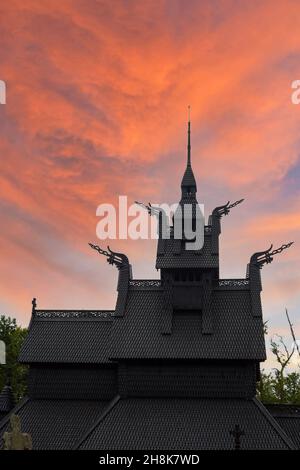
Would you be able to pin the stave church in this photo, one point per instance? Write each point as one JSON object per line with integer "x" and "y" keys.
{"x": 174, "y": 366}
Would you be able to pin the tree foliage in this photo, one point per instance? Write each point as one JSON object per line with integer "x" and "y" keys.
{"x": 13, "y": 337}
{"x": 281, "y": 385}
{"x": 272, "y": 389}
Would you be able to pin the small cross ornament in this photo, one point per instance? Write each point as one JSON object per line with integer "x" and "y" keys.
{"x": 237, "y": 432}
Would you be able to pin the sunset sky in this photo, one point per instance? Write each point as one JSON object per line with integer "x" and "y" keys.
{"x": 97, "y": 96}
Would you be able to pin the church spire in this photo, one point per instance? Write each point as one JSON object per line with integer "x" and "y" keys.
{"x": 188, "y": 183}
{"x": 189, "y": 138}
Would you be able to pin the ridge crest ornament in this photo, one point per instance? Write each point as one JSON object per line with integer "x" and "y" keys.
{"x": 265, "y": 257}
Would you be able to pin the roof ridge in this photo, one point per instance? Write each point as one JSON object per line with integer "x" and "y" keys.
{"x": 74, "y": 310}
{"x": 275, "y": 424}
{"x": 110, "y": 406}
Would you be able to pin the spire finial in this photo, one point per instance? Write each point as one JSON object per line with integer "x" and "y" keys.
{"x": 189, "y": 138}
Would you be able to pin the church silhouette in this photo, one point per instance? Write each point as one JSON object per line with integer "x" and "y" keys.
{"x": 173, "y": 366}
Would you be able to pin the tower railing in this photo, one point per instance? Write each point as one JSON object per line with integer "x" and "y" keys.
{"x": 219, "y": 283}
{"x": 232, "y": 283}
{"x": 73, "y": 314}
{"x": 145, "y": 283}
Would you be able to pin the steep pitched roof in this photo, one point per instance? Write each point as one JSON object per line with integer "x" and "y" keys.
{"x": 56, "y": 424}
{"x": 174, "y": 255}
{"x": 291, "y": 425}
{"x": 188, "y": 179}
{"x": 288, "y": 417}
{"x": 137, "y": 423}
{"x": 236, "y": 333}
{"x": 68, "y": 337}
